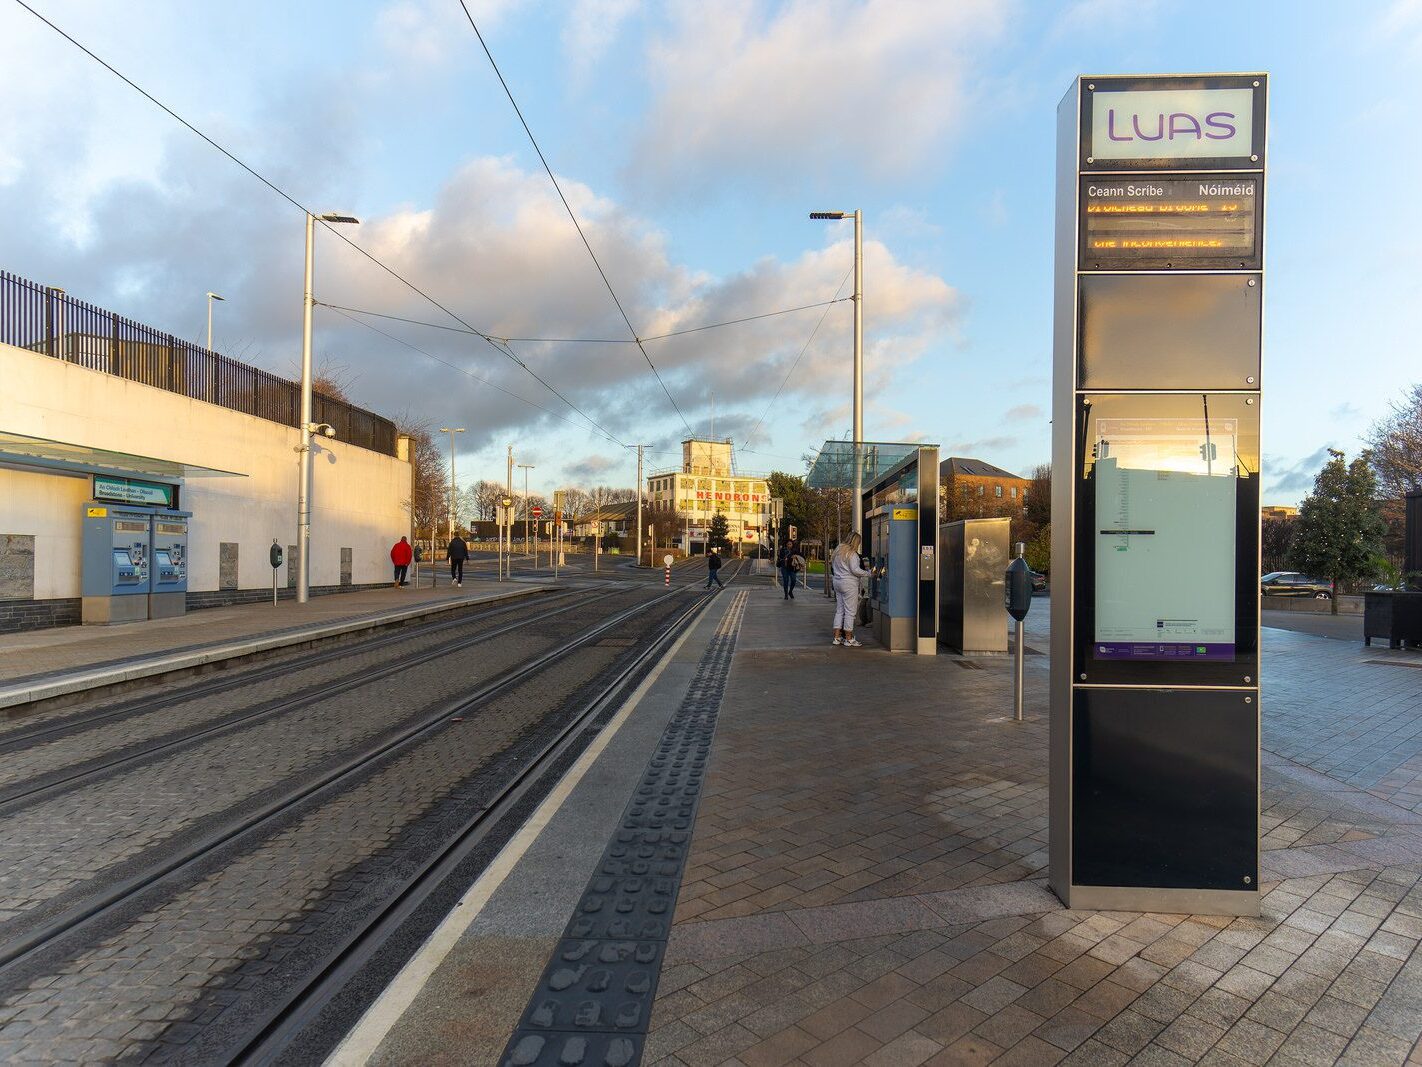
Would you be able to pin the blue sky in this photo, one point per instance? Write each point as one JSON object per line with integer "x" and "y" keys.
{"x": 693, "y": 140}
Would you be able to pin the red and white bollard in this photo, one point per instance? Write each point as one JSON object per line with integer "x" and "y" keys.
{"x": 668, "y": 575}
{"x": 667, "y": 562}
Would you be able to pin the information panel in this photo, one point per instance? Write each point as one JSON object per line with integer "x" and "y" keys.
{"x": 1165, "y": 539}
{"x": 1148, "y": 223}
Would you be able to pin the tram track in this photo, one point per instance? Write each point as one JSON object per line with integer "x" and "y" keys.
{"x": 510, "y": 775}
{"x": 46, "y": 785}
{"x": 269, "y": 1041}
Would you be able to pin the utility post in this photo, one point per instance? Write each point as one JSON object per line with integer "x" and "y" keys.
{"x": 525, "y": 467}
{"x": 453, "y": 484}
{"x": 639, "y": 505}
{"x": 303, "y": 489}
{"x": 858, "y": 298}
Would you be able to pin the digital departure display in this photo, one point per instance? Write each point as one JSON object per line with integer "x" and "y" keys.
{"x": 1150, "y": 223}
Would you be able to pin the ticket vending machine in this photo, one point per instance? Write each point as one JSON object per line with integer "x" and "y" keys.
{"x": 1154, "y": 769}
{"x": 893, "y": 582}
{"x": 116, "y": 562}
{"x": 169, "y": 595}
{"x": 901, "y": 545}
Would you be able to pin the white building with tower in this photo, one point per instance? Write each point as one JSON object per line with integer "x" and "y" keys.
{"x": 707, "y": 484}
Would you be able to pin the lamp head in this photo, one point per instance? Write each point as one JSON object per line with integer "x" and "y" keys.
{"x": 214, "y": 296}
{"x": 339, "y": 216}
{"x": 827, "y": 214}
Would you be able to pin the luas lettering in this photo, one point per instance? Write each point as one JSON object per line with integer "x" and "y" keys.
{"x": 1216, "y": 126}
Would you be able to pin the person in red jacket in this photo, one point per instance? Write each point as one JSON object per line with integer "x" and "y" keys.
{"x": 400, "y": 555}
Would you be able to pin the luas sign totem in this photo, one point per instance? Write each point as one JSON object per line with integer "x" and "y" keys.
{"x": 1155, "y": 536}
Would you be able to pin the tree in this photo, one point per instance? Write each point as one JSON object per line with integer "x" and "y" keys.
{"x": 1395, "y": 444}
{"x": 430, "y": 493}
{"x": 481, "y": 501}
{"x": 1038, "y": 509}
{"x": 1039, "y": 550}
{"x": 1339, "y": 533}
{"x": 716, "y": 533}
{"x": 1275, "y": 538}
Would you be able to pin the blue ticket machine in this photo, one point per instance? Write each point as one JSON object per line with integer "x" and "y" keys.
{"x": 116, "y": 562}
{"x": 893, "y": 587}
{"x": 169, "y": 594}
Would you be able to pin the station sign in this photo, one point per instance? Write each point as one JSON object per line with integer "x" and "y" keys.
{"x": 133, "y": 491}
{"x": 1205, "y": 122}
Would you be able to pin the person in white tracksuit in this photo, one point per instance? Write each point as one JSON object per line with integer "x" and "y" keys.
{"x": 845, "y": 572}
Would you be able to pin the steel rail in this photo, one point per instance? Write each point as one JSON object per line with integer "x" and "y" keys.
{"x": 270, "y": 1037}
{"x": 83, "y": 770}
{"x": 72, "y": 919}
{"x": 20, "y": 741}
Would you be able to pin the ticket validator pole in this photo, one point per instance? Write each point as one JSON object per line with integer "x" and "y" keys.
{"x": 1155, "y": 494}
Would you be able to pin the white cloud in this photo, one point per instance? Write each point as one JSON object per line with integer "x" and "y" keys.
{"x": 874, "y": 86}
{"x": 591, "y": 28}
{"x": 426, "y": 33}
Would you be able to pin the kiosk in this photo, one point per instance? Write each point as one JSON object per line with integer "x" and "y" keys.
{"x": 1154, "y": 783}
{"x": 169, "y": 597}
{"x": 900, "y": 509}
{"x": 117, "y": 555}
{"x": 974, "y": 557}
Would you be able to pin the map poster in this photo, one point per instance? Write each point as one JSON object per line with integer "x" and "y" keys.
{"x": 1165, "y": 539}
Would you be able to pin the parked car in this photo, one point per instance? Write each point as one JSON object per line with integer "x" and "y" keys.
{"x": 1039, "y": 581}
{"x": 1292, "y": 583}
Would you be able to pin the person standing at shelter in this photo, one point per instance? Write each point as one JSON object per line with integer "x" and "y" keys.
{"x": 789, "y": 555}
{"x": 713, "y": 569}
{"x": 458, "y": 552}
{"x": 845, "y": 570}
{"x": 401, "y": 555}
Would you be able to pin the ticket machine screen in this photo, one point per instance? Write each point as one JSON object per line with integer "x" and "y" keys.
{"x": 129, "y": 566}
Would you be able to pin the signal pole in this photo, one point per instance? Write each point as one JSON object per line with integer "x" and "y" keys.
{"x": 639, "y": 505}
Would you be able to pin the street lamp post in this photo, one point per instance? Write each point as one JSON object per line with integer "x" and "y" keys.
{"x": 525, "y": 467}
{"x": 453, "y": 485}
{"x": 303, "y": 490}
{"x": 210, "y": 298}
{"x": 858, "y": 355}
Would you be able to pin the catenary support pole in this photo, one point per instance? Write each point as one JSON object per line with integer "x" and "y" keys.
{"x": 303, "y": 488}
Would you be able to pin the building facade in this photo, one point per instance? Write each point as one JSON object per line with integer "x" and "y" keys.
{"x": 971, "y": 489}
{"x": 705, "y": 485}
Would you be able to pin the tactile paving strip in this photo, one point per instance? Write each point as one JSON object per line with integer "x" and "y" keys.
{"x": 594, "y": 999}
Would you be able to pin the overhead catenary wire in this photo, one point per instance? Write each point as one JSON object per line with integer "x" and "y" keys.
{"x": 805, "y": 348}
{"x": 489, "y": 338}
{"x": 463, "y": 370}
{"x": 569, "y": 208}
{"x": 581, "y": 340}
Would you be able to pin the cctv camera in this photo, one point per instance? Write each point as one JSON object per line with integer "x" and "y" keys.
{"x": 329, "y": 431}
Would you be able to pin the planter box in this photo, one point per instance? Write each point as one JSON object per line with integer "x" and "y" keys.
{"x": 1394, "y": 617}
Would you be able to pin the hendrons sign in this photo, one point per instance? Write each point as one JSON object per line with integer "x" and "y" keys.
{"x": 133, "y": 491}
{"x": 1172, "y": 124}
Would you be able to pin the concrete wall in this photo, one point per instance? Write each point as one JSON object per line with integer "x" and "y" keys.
{"x": 359, "y": 497}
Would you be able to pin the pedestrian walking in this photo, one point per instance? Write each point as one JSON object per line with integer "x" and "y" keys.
{"x": 713, "y": 569}
{"x": 791, "y": 563}
{"x": 458, "y": 552}
{"x": 845, "y": 570}
{"x": 401, "y": 555}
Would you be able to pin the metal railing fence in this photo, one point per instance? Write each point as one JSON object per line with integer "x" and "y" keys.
{"x": 42, "y": 319}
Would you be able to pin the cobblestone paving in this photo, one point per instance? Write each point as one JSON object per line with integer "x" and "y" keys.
{"x": 59, "y": 844}
{"x": 166, "y": 985}
{"x": 108, "y": 737}
{"x": 865, "y": 879}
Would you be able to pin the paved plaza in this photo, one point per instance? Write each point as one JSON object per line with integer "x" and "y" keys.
{"x": 867, "y": 875}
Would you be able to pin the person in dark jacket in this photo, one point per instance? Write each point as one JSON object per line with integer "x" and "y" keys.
{"x": 790, "y": 563}
{"x": 713, "y": 569}
{"x": 400, "y": 555}
{"x": 458, "y": 552}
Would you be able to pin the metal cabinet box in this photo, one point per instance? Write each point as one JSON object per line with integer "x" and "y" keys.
{"x": 973, "y": 559}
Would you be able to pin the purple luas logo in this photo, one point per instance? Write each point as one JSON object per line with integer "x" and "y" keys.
{"x": 1217, "y": 126}
{"x": 1170, "y": 123}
